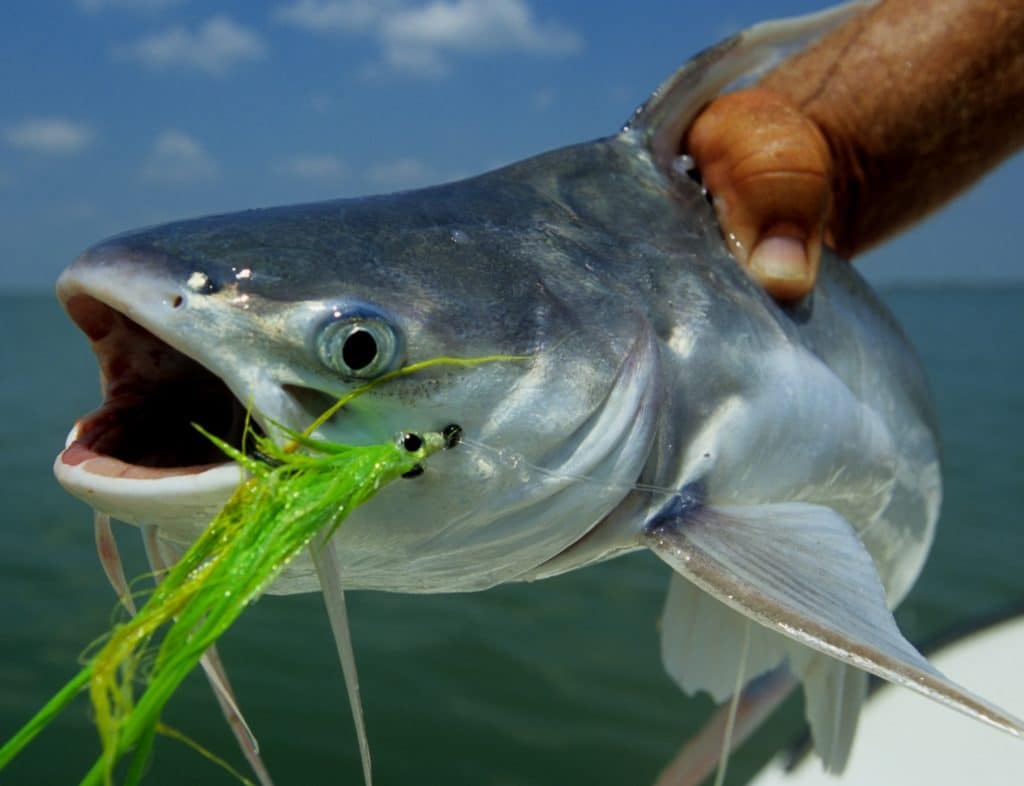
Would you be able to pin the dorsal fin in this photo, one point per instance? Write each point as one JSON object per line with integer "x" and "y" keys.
{"x": 673, "y": 106}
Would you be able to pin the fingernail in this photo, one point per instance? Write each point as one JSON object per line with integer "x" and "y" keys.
{"x": 779, "y": 257}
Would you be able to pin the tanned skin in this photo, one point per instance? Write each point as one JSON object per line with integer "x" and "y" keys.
{"x": 880, "y": 123}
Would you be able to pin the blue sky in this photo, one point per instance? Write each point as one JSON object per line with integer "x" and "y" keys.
{"x": 121, "y": 113}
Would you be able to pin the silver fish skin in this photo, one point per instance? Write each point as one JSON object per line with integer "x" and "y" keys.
{"x": 645, "y": 338}
{"x": 784, "y": 461}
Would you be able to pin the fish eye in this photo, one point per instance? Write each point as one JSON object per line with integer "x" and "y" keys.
{"x": 363, "y": 347}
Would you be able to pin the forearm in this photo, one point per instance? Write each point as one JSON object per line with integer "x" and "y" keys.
{"x": 917, "y": 99}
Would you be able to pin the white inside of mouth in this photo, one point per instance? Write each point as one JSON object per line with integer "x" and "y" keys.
{"x": 77, "y": 454}
{"x": 182, "y": 499}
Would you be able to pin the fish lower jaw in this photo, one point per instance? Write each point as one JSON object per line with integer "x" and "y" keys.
{"x": 180, "y": 499}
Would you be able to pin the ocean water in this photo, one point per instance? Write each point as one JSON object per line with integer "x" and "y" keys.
{"x": 557, "y": 682}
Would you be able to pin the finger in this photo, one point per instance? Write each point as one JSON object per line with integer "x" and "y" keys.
{"x": 768, "y": 169}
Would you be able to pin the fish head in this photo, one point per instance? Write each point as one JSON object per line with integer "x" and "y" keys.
{"x": 280, "y": 312}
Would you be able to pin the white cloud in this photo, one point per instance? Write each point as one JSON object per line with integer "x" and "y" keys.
{"x": 94, "y": 6}
{"x": 312, "y": 166}
{"x": 215, "y": 47}
{"x": 179, "y": 159}
{"x": 479, "y": 26}
{"x": 49, "y": 135}
{"x": 400, "y": 173}
{"x": 331, "y": 16}
{"x": 419, "y": 39}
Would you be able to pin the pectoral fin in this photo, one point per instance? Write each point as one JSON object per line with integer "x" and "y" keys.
{"x": 800, "y": 570}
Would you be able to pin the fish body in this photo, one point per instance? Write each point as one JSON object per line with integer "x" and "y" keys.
{"x": 644, "y": 336}
{"x": 784, "y": 461}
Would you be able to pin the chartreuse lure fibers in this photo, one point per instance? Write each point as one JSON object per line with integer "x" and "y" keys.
{"x": 291, "y": 497}
{"x": 295, "y": 495}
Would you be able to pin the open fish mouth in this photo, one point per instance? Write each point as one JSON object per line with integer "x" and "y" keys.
{"x": 138, "y": 456}
{"x": 153, "y": 394}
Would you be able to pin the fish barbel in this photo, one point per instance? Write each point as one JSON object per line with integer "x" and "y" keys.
{"x": 782, "y": 460}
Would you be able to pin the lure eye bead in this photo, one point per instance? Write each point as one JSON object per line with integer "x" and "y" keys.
{"x": 452, "y": 434}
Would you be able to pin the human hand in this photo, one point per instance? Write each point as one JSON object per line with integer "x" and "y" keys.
{"x": 769, "y": 171}
{"x": 864, "y": 133}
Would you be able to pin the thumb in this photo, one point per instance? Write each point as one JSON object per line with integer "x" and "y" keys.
{"x": 769, "y": 171}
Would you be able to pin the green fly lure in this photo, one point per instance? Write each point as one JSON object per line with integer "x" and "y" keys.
{"x": 291, "y": 497}
{"x": 296, "y": 495}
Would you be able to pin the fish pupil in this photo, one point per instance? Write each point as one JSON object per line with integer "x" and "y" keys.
{"x": 359, "y": 350}
{"x": 412, "y": 442}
